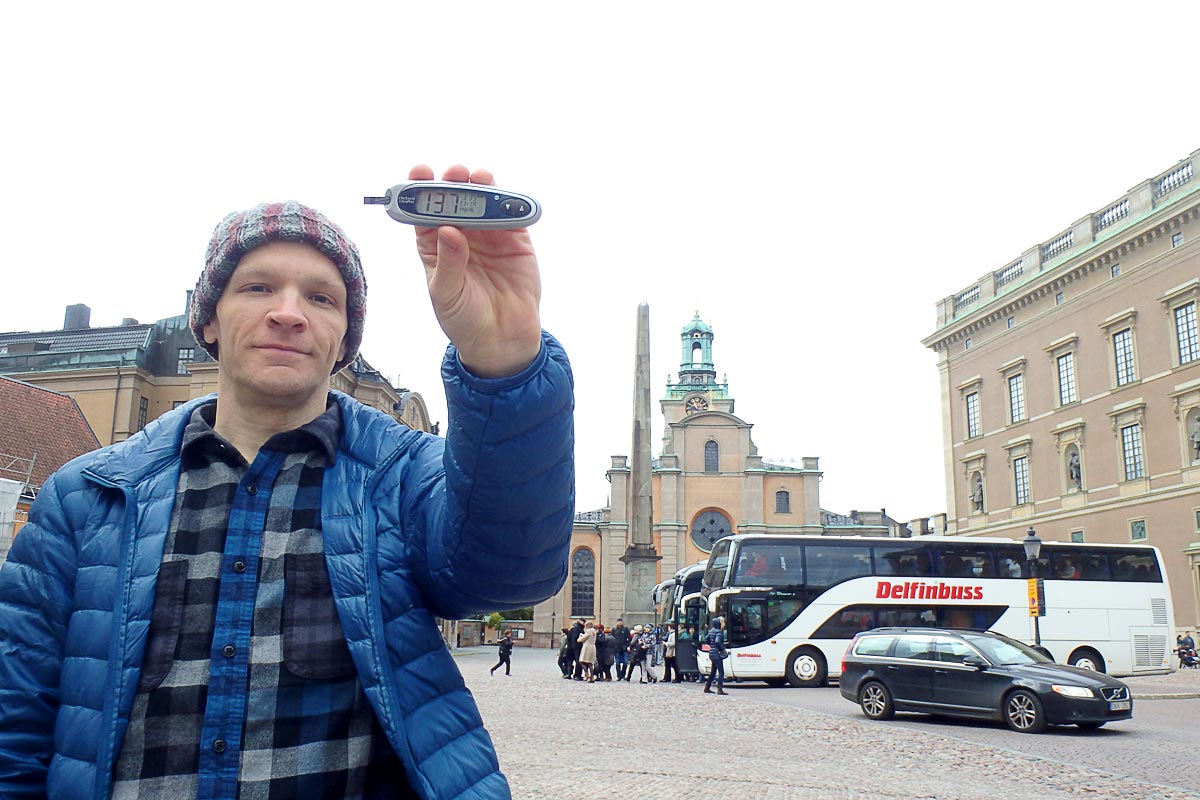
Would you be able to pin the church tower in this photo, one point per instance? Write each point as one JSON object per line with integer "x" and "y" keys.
{"x": 696, "y": 366}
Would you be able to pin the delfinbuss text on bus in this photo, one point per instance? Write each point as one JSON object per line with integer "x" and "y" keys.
{"x": 920, "y": 590}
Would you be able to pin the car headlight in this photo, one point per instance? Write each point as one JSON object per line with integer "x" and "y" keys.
{"x": 1072, "y": 691}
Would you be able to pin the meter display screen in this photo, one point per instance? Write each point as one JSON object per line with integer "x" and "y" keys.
{"x": 451, "y": 203}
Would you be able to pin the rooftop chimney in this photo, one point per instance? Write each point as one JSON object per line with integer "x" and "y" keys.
{"x": 128, "y": 322}
{"x": 79, "y": 317}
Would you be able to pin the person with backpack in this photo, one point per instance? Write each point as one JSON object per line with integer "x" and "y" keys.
{"x": 717, "y": 655}
{"x": 506, "y": 646}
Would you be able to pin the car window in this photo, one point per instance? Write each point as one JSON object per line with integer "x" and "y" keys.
{"x": 1000, "y": 650}
{"x": 953, "y": 651}
{"x": 874, "y": 645}
{"x": 918, "y": 647}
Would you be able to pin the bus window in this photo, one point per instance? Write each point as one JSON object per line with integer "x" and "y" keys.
{"x": 1135, "y": 565}
{"x": 769, "y": 564}
{"x": 845, "y": 623}
{"x": 782, "y": 608}
{"x": 1011, "y": 561}
{"x": 965, "y": 562}
{"x": 1093, "y": 566}
{"x": 718, "y": 565}
{"x": 1065, "y": 565}
{"x": 745, "y": 623}
{"x": 826, "y": 565}
{"x": 959, "y": 617}
{"x": 908, "y": 561}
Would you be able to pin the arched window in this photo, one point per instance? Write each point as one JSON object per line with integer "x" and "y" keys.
{"x": 583, "y": 583}
{"x": 712, "y": 457}
{"x": 697, "y": 354}
{"x": 783, "y": 502}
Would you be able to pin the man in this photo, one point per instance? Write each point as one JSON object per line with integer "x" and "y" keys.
{"x": 716, "y": 656}
{"x": 506, "y": 646}
{"x": 239, "y": 601}
{"x": 620, "y": 636}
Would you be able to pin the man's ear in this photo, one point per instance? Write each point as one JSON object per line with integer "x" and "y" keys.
{"x": 212, "y": 331}
{"x": 341, "y": 350}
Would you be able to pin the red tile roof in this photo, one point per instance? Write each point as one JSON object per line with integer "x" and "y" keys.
{"x": 40, "y": 424}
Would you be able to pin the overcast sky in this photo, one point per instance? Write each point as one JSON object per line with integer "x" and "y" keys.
{"x": 812, "y": 181}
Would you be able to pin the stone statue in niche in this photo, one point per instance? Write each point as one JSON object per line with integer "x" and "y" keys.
{"x": 977, "y": 494}
{"x": 1196, "y": 439}
{"x": 1074, "y": 470}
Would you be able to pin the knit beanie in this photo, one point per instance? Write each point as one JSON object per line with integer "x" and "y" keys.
{"x": 242, "y": 231}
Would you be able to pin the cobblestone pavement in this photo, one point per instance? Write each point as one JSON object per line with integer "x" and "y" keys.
{"x": 566, "y": 739}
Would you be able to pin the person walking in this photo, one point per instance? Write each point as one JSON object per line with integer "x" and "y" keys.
{"x": 637, "y": 655}
{"x": 587, "y": 652}
{"x": 716, "y": 655}
{"x": 621, "y": 639}
{"x": 506, "y": 645}
{"x": 564, "y": 653}
{"x": 669, "y": 657}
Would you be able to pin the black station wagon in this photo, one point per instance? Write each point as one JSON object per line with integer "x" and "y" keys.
{"x": 975, "y": 674}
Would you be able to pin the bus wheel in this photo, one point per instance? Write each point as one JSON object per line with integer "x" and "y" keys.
{"x": 806, "y": 667}
{"x": 1087, "y": 658}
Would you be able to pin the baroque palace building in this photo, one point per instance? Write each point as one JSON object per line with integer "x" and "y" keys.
{"x": 1070, "y": 385}
{"x": 708, "y": 482}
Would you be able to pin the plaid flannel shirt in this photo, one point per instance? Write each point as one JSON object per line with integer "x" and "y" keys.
{"x": 247, "y": 687}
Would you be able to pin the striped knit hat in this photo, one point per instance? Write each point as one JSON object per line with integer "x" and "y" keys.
{"x": 242, "y": 231}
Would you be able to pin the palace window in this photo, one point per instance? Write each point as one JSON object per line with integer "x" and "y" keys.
{"x": 1123, "y": 354}
{"x": 143, "y": 410}
{"x": 1066, "y": 379}
{"x": 1131, "y": 448}
{"x": 1185, "y": 333}
{"x": 1016, "y": 397}
{"x": 973, "y": 427}
{"x": 1021, "y": 479}
{"x": 783, "y": 502}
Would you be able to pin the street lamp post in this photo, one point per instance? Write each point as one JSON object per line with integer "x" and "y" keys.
{"x": 1033, "y": 548}
{"x": 553, "y": 629}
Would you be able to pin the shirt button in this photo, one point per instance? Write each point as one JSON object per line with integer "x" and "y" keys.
{"x": 218, "y": 745}
{"x": 252, "y": 489}
{"x": 229, "y": 651}
{"x": 239, "y": 567}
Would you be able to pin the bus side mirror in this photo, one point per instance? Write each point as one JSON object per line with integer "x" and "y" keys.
{"x": 974, "y": 661}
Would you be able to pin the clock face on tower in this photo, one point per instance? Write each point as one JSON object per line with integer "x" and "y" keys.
{"x": 708, "y": 527}
{"x": 696, "y": 404}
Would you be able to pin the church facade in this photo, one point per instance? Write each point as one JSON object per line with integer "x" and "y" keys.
{"x": 708, "y": 482}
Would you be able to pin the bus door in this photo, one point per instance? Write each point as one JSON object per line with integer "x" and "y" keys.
{"x": 692, "y": 616}
{"x": 745, "y": 624}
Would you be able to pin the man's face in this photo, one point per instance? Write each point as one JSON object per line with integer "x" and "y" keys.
{"x": 280, "y": 324}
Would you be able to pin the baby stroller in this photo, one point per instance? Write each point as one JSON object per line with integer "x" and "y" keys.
{"x": 1188, "y": 659}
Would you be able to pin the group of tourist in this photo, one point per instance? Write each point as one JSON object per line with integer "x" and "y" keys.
{"x": 588, "y": 652}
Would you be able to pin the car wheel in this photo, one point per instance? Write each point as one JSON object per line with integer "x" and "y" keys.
{"x": 1087, "y": 658}
{"x": 806, "y": 667}
{"x": 876, "y": 700}
{"x": 1024, "y": 713}
{"x": 1090, "y": 726}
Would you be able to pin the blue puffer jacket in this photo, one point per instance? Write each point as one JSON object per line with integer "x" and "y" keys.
{"x": 414, "y": 526}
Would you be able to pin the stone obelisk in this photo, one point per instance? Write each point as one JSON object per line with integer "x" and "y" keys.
{"x": 640, "y": 559}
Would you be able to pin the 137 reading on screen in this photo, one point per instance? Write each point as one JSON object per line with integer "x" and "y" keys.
{"x": 450, "y": 203}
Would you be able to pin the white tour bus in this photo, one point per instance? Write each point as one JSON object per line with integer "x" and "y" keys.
{"x": 791, "y": 604}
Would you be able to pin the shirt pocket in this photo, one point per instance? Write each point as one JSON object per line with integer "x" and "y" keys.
{"x": 314, "y": 646}
{"x": 165, "y": 622}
